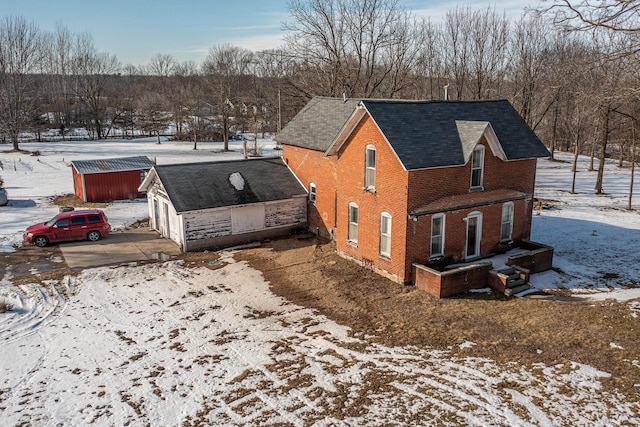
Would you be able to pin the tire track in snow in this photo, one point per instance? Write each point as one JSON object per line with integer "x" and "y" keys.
{"x": 40, "y": 306}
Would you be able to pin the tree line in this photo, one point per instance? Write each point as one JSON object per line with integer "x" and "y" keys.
{"x": 570, "y": 71}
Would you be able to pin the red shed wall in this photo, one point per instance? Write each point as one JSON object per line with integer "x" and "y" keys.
{"x": 102, "y": 187}
{"x": 77, "y": 184}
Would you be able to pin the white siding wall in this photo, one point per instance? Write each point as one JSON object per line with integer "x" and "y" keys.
{"x": 286, "y": 212}
{"x": 207, "y": 224}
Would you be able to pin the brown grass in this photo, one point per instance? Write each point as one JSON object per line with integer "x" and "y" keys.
{"x": 76, "y": 202}
{"x": 5, "y": 306}
{"x": 524, "y": 330}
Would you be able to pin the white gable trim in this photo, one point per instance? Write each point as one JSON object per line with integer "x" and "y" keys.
{"x": 469, "y": 139}
{"x": 348, "y": 129}
{"x": 494, "y": 143}
{"x": 144, "y": 186}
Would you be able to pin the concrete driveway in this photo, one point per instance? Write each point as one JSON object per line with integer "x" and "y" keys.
{"x": 119, "y": 247}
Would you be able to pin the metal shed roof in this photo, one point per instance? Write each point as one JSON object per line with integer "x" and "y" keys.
{"x": 112, "y": 165}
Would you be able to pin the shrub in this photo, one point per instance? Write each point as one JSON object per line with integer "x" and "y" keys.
{"x": 5, "y": 306}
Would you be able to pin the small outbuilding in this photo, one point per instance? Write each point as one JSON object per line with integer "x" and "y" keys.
{"x": 109, "y": 179}
{"x": 219, "y": 204}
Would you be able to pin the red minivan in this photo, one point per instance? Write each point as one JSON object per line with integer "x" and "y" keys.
{"x": 89, "y": 224}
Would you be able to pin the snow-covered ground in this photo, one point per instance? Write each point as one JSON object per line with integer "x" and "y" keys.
{"x": 163, "y": 344}
{"x": 32, "y": 181}
{"x": 596, "y": 239}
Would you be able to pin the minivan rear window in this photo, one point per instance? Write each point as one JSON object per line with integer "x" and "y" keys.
{"x": 93, "y": 219}
{"x": 78, "y": 220}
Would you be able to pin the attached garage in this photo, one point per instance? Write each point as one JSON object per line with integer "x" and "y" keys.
{"x": 219, "y": 204}
{"x": 104, "y": 180}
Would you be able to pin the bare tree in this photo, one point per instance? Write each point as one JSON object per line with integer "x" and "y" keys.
{"x": 430, "y": 79}
{"x": 152, "y": 114}
{"x": 354, "y": 47}
{"x": 20, "y": 55}
{"x": 489, "y": 34}
{"x": 456, "y": 47}
{"x": 161, "y": 64}
{"x": 91, "y": 70}
{"x": 615, "y": 15}
{"x": 224, "y": 69}
{"x": 529, "y": 56}
{"x": 58, "y": 52}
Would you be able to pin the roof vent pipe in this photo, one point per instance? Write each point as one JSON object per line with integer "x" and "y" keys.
{"x": 446, "y": 92}
{"x": 344, "y": 96}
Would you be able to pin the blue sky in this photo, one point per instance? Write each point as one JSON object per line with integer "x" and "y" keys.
{"x": 136, "y": 30}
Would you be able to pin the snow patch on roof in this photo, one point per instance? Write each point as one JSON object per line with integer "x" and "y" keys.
{"x": 237, "y": 181}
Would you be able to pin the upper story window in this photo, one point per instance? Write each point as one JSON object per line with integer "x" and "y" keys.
{"x": 353, "y": 223}
{"x": 477, "y": 167}
{"x": 312, "y": 193}
{"x": 437, "y": 235}
{"x": 370, "y": 168}
{"x": 507, "y": 221}
{"x": 385, "y": 234}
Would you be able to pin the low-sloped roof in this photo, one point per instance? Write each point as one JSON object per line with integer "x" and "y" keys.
{"x": 317, "y": 125}
{"x": 206, "y": 185}
{"x": 468, "y": 201}
{"x": 112, "y": 165}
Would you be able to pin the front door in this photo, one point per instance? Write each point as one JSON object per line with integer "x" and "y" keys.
{"x": 474, "y": 234}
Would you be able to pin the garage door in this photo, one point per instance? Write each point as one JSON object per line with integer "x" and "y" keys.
{"x": 247, "y": 218}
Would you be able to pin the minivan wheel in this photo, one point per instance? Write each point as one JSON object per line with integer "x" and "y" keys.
{"x": 94, "y": 236}
{"x": 41, "y": 241}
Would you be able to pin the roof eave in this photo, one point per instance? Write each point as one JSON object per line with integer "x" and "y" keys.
{"x": 144, "y": 186}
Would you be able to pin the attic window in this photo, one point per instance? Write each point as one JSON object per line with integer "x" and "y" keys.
{"x": 237, "y": 181}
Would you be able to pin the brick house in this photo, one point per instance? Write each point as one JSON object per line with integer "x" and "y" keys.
{"x": 400, "y": 183}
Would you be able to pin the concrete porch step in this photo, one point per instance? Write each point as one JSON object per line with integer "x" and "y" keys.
{"x": 515, "y": 283}
{"x": 512, "y": 291}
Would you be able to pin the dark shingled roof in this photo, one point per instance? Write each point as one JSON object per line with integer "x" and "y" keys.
{"x": 424, "y": 134}
{"x": 194, "y": 186}
{"x": 112, "y": 165}
{"x": 317, "y": 125}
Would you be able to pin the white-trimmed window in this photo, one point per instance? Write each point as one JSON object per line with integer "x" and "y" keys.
{"x": 312, "y": 193}
{"x": 370, "y": 167}
{"x": 507, "y": 221}
{"x": 437, "y": 235}
{"x": 353, "y": 223}
{"x": 477, "y": 167}
{"x": 385, "y": 234}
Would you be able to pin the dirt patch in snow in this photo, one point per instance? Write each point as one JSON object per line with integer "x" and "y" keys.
{"x": 308, "y": 273}
{"x": 75, "y": 202}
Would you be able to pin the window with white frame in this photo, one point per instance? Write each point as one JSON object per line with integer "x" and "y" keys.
{"x": 385, "y": 234}
{"x": 353, "y": 223}
{"x": 437, "y": 235}
{"x": 370, "y": 167}
{"x": 477, "y": 167}
{"x": 312, "y": 193}
{"x": 507, "y": 221}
